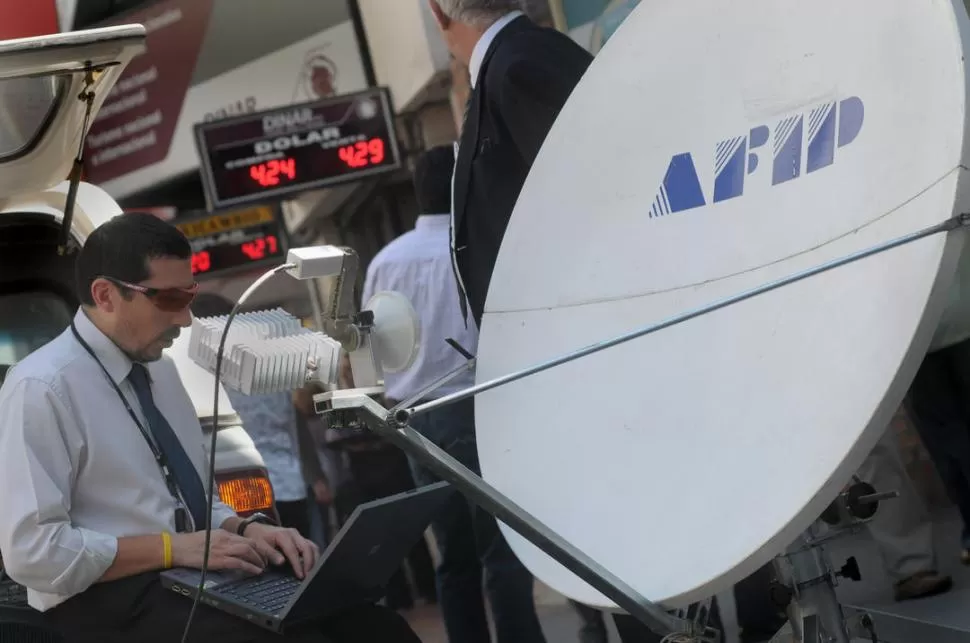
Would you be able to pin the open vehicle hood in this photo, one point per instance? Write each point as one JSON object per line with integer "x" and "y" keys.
{"x": 51, "y": 88}
{"x": 199, "y": 384}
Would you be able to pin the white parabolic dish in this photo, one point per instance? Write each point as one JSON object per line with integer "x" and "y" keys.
{"x": 397, "y": 330}
{"x": 713, "y": 147}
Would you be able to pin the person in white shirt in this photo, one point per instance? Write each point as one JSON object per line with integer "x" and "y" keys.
{"x": 102, "y": 460}
{"x": 418, "y": 265}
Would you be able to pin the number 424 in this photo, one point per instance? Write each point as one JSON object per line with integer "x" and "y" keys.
{"x": 268, "y": 173}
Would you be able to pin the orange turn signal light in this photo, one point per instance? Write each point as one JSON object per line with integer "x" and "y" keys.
{"x": 247, "y": 492}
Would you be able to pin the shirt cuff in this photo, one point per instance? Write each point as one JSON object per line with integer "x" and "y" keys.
{"x": 96, "y": 556}
{"x": 221, "y": 513}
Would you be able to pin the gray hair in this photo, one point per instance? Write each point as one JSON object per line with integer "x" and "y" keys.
{"x": 479, "y": 13}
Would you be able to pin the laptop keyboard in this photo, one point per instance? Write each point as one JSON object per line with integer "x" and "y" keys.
{"x": 267, "y": 593}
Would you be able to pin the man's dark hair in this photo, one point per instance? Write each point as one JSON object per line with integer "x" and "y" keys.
{"x": 122, "y": 248}
{"x": 432, "y": 179}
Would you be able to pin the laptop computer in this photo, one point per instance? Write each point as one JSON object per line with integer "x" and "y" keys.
{"x": 354, "y": 569}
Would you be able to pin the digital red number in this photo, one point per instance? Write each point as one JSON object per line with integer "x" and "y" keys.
{"x": 258, "y": 173}
{"x": 288, "y": 167}
{"x": 272, "y": 173}
{"x": 347, "y": 155}
{"x": 376, "y": 148}
{"x": 255, "y": 249}
{"x": 360, "y": 154}
{"x": 268, "y": 174}
{"x": 201, "y": 262}
{"x": 260, "y": 248}
{"x": 363, "y": 153}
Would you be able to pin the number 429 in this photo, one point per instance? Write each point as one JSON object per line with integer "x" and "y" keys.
{"x": 363, "y": 153}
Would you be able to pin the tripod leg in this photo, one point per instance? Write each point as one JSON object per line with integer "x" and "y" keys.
{"x": 810, "y": 629}
{"x": 827, "y": 612}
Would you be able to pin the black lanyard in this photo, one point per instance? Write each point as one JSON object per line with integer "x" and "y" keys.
{"x": 181, "y": 520}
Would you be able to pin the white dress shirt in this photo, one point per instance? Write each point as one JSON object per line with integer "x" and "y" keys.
{"x": 418, "y": 265}
{"x": 76, "y": 473}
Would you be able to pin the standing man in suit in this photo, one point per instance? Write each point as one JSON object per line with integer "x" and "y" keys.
{"x": 521, "y": 75}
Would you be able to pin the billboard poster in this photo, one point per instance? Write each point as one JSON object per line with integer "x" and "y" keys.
{"x": 208, "y": 60}
{"x": 26, "y": 19}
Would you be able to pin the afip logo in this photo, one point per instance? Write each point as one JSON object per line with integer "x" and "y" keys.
{"x": 830, "y": 126}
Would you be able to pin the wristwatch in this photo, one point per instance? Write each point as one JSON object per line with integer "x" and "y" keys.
{"x": 261, "y": 518}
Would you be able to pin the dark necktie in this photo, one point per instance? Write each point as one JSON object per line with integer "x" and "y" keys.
{"x": 183, "y": 471}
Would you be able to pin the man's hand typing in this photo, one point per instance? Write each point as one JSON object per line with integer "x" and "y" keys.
{"x": 226, "y": 551}
{"x": 301, "y": 553}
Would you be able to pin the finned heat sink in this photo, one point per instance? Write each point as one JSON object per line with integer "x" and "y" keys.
{"x": 266, "y": 351}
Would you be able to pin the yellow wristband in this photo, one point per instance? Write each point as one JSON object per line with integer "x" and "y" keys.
{"x": 167, "y": 548}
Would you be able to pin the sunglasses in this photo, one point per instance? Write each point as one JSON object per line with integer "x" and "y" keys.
{"x": 169, "y": 300}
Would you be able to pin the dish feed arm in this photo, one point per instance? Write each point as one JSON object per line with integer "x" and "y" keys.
{"x": 342, "y": 321}
{"x": 270, "y": 351}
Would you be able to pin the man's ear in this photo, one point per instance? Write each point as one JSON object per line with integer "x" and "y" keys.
{"x": 439, "y": 15}
{"x": 102, "y": 291}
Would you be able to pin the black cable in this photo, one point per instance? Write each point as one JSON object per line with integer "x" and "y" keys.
{"x": 211, "y": 474}
{"x": 210, "y": 482}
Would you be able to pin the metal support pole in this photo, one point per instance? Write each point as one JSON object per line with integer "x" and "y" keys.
{"x": 815, "y": 613}
{"x": 504, "y": 509}
{"x": 402, "y": 416}
{"x": 828, "y": 612}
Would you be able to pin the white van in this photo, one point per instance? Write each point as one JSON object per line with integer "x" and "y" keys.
{"x": 50, "y": 90}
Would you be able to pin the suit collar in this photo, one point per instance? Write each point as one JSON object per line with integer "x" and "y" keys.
{"x": 469, "y": 134}
{"x": 484, "y": 44}
{"x": 509, "y": 28}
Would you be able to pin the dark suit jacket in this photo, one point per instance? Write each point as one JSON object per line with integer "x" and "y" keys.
{"x": 526, "y": 76}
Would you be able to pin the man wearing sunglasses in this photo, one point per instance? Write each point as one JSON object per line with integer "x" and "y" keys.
{"x": 102, "y": 462}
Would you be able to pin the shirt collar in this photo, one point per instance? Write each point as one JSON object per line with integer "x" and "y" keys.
{"x": 111, "y": 357}
{"x": 432, "y": 220}
{"x": 481, "y": 47}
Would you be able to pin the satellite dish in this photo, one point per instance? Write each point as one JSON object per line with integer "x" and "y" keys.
{"x": 713, "y": 147}
{"x": 397, "y": 330}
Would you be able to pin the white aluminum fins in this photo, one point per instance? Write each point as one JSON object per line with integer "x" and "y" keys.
{"x": 266, "y": 351}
